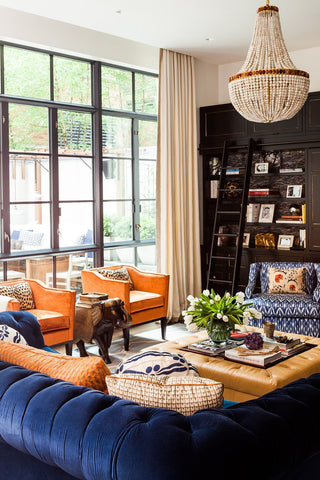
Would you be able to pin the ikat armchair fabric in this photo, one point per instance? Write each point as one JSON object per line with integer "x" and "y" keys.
{"x": 291, "y": 312}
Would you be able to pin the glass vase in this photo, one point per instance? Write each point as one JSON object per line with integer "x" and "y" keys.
{"x": 220, "y": 333}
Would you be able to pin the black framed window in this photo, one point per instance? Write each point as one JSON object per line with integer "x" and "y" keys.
{"x": 78, "y": 155}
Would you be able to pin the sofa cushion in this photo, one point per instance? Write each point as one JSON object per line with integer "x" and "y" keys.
{"x": 183, "y": 394}
{"x": 117, "y": 274}
{"x": 144, "y": 300}
{"x": 158, "y": 363}
{"x": 84, "y": 371}
{"x": 22, "y": 292}
{"x": 291, "y": 280}
{"x": 286, "y": 305}
{"x": 51, "y": 321}
{"x": 9, "y": 334}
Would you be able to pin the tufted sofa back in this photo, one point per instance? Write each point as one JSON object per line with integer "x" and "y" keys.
{"x": 94, "y": 436}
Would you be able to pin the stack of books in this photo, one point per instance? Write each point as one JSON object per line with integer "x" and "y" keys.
{"x": 290, "y": 219}
{"x": 291, "y": 170}
{"x": 288, "y": 346}
{"x": 266, "y": 192}
{"x": 253, "y": 210}
{"x": 259, "y": 358}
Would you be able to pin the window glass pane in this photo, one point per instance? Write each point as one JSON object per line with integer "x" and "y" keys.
{"x": 116, "y": 136}
{"x": 147, "y": 179}
{"x": 117, "y": 179}
{"x": 147, "y": 140}
{"x": 28, "y": 128}
{"x": 68, "y": 272}
{"x": 74, "y": 132}
{"x": 146, "y": 90}
{"x": 116, "y": 87}
{"x": 147, "y": 258}
{"x": 148, "y": 220}
{"x": 76, "y": 224}
{"x": 16, "y": 269}
{"x": 30, "y": 226}
{"x": 115, "y": 256}
{"x": 26, "y": 73}
{"x": 72, "y": 81}
{"x": 29, "y": 178}
{"x": 75, "y": 178}
{"x": 117, "y": 221}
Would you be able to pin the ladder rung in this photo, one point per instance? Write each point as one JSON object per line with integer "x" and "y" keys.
{"x": 226, "y": 235}
{"x": 231, "y": 191}
{"x": 223, "y": 258}
{"x": 229, "y": 212}
{"x": 220, "y": 281}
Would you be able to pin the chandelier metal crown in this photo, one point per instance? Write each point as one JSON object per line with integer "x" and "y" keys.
{"x": 268, "y": 87}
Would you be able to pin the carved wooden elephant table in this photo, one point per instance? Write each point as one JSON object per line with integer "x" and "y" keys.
{"x": 96, "y": 321}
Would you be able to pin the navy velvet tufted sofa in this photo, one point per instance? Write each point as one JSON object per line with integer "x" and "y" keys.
{"x": 54, "y": 430}
{"x": 292, "y": 313}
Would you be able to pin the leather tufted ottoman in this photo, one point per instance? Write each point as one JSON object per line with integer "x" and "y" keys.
{"x": 245, "y": 382}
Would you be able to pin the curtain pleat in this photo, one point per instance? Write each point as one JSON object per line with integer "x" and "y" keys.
{"x": 178, "y": 226}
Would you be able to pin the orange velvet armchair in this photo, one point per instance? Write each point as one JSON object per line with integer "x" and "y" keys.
{"x": 147, "y": 301}
{"x": 54, "y": 309}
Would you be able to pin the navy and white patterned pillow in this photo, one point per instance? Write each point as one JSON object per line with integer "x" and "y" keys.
{"x": 158, "y": 363}
{"x": 8, "y": 334}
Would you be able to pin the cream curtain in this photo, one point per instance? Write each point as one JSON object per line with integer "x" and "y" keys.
{"x": 178, "y": 226}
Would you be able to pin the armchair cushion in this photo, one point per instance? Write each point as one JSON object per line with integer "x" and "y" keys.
{"x": 51, "y": 321}
{"x": 310, "y": 275}
{"x": 286, "y": 305}
{"x": 20, "y": 291}
{"x": 144, "y": 301}
{"x": 291, "y": 280}
{"x": 118, "y": 274}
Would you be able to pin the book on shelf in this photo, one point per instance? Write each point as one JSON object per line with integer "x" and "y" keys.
{"x": 214, "y": 184}
{"x": 291, "y": 170}
{"x": 263, "y": 191}
{"x": 302, "y": 238}
{"x": 304, "y": 212}
{"x": 284, "y": 220}
{"x": 259, "y": 358}
{"x": 231, "y": 171}
{"x": 292, "y": 217}
{"x": 253, "y": 210}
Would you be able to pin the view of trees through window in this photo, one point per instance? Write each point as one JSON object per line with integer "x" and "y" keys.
{"x": 62, "y": 130}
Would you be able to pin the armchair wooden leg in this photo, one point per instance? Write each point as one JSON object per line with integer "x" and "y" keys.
{"x": 163, "y": 327}
{"x": 126, "y": 338}
{"x": 69, "y": 348}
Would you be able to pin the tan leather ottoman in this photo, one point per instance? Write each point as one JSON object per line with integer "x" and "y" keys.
{"x": 244, "y": 382}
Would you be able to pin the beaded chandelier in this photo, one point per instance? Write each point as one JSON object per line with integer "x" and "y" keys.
{"x": 268, "y": 88}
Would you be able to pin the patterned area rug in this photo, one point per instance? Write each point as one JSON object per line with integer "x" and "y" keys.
{"x": 139, "y": 338}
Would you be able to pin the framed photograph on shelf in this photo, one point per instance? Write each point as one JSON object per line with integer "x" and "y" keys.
{"x": 261, "y": 168}
{"x": 266, "y": 213}
{"x": 246, "y": 240}
{"x": 294, "y": 191}
{"x": 285, "y": 242}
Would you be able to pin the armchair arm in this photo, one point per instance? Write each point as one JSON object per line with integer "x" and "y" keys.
{"x": 149, "y": 281}
{"x": 54, "y": 299}
{"x": 316, "y": 292}
{"x": 253, "y": 275}
{"x": 92, "y": 281}
{"x": 13, "y": 304}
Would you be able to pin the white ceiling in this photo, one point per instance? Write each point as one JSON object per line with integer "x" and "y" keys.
{"x": 184, "y": 25}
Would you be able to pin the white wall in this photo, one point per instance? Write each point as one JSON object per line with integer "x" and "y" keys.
{"x": 28, "y": 29}
{"x": 307, "y": 60}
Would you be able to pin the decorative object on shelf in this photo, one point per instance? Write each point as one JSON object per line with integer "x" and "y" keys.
{"x": 294, "y": 191}
{"x": 295, "y": 210}
{"x": 265, "y": 240}
{"x": 266, "y": 213}
{"x": 218, "y": 315}
{"x": 253, "y": 341}
{"x": 232, "y": 188}
{"x": 246, "y": 240}
{"x": 273, "y": 159}
{"x": 214, "y": 165}
{"x": 261, "y": 168}
{"x": 223, "y": 240}
{"x": 268, "y": 87}
{"x": 285, "y": 242}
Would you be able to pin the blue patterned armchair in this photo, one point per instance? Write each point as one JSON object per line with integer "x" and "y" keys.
{"x": 291, "y": 312}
